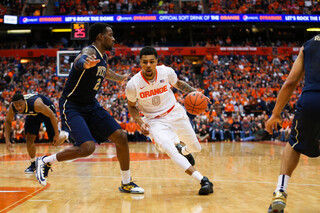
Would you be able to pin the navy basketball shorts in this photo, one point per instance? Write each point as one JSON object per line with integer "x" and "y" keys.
{"x": 32, "y": 125}
{"x": 305, "y": 130}
{"x": 86, "y": 122}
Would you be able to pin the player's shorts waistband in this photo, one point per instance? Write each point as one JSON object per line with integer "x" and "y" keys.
{"x": 165, "y": 113}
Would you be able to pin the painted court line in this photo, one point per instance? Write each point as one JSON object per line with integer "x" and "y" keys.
{"x": 24, "y": 199}
{"x": 160, "y": 178}
{"x": 9, "y": 191}
{"x": 163, "y": 178}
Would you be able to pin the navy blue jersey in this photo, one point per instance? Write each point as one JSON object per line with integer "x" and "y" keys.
{"x": 30, "y": 99}
{"x": 83, "y": 85}
{"x": 312, "y": 64}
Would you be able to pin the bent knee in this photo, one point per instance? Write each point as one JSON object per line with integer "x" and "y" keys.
{"x": 196, "y": 147}
{"x": 121, "y": 137}
{"x": 170, "y": 151}
{"x": 87, "y": 149}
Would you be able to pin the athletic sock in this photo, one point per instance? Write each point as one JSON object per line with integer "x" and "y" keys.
{"x": 32, "y": 160}
{"x": 50, "y": 159}
{"x": 196, "y": 175}
{"x": 125, "y": 176}
{"x": 282, "y": 183}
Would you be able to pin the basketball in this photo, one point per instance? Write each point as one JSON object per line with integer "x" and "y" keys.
{"x": 195, "y": 103}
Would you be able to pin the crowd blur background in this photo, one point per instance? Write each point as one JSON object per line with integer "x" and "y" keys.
{"x": 242, "y": 88}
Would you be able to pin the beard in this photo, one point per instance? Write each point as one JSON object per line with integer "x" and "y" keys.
{"x": 108, "y": 48}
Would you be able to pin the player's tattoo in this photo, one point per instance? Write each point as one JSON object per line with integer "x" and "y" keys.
{"x": 88, "y": 51}
{"x": 184, "y": 87}
{"x": 114, "y": 76}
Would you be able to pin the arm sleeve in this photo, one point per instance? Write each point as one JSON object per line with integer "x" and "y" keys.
{"x": 131, "y": 92}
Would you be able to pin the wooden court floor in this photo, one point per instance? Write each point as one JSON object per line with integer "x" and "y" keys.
{"x": 244, "y": 177}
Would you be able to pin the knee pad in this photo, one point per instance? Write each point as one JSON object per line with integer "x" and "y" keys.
{"x": 181, "y": 161}
{"x": 176, "y": 157}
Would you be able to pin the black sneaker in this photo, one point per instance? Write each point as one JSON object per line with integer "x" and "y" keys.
{"x": 206, "y": 186}
{"x": 31, "y": 168}
{"x": 189, "y": 156}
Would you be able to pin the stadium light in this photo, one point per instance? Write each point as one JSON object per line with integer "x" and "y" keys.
{"x": 61, "y": 30}
{"x": 313, "y": 29}
{"x": 18, "y": 31}
{"x": 24, "y": 60}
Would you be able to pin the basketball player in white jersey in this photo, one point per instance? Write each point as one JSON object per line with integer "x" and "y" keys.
{"x": 165, "y": 120}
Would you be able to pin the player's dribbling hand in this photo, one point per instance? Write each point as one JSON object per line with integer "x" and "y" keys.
{"x": 145, "y": 129}
{"x": 208, "y": 99}
{"x": 91, "y": 61}
{"x": 272, "y": 123}
{"x": 10, "y": 147}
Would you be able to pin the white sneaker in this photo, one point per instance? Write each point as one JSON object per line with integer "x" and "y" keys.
{"x": 42, "y": 170}
{"x": 131, "y": 188}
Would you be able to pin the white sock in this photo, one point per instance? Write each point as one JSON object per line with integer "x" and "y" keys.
{"x": 125, "y": 176}
{"x": 184, "y": 151}
{"x": 33, "y": 159}
{"x": 50, "y": 159}
{"x": 282, "y": 183}
{"x": 197, "y": 176}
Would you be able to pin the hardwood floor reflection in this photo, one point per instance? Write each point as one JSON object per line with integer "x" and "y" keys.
{"x": 244, "y": 176}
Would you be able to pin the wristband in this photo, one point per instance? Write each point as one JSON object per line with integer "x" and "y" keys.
{"x": 78, "y": 65}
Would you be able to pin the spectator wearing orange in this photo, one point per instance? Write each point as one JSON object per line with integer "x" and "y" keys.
{"x": 131, "y": 129}
{"x": 229, "y": 108}
{"x": 285, "y": 129}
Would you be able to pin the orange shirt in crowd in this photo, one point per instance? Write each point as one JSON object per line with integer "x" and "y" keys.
{"x": 286, "y": 123}
{"x": 229, "y": 107}
{"x": 131, "y": 127}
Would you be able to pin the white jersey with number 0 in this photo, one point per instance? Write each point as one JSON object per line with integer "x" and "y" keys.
{"x": 153, "y": 98}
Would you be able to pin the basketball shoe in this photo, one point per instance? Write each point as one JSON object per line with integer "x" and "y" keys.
{"x": 31, "y": 168}
{"x": 278, "y": 203}
{"x": 42, "y": 170}
{"x": 189, "y": 156}
{"x": 131, "y": 188}
{"x": 206, "y": 186}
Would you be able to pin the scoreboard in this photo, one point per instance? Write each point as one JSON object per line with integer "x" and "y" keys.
{"x": 79, "y": 31}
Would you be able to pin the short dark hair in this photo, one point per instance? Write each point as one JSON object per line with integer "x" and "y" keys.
{"x": 18, "y": 96}
{"x": 95, "y": 29}
{"x": 147, "y": 50}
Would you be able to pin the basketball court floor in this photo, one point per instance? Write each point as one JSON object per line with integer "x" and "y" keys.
{"x": 244, "y": 176}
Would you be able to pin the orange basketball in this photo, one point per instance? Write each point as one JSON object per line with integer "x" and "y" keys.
{"x": 195, "y": 103}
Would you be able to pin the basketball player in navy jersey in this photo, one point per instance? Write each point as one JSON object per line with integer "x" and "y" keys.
{"x": 305, "y": 132}
{"x": 39, "y": 109}
{"x": 81, "y": 114}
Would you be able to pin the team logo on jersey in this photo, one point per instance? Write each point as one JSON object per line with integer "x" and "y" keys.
{"x": 162, "y": 81}
{"x": 153, "y": 92}
{"x": 156, "y": 100}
